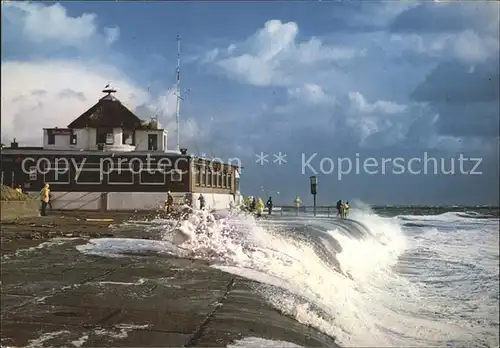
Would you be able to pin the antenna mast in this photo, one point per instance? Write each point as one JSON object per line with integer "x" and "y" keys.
{"x": 178, "y": 92}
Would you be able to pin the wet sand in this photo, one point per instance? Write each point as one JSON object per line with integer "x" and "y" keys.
{"x": 53, "y": 295}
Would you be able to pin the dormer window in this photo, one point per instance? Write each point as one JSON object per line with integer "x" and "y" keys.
{"x": 110, "y": 139}
{"x": 104, "y": 135}
{"x": 152, "y": 142}
{"x": 128, "y": 137}
{"x": 51, "y": 138}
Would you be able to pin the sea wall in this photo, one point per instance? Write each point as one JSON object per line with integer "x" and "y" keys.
{"x": 19, "y": 209}
{"x": 216, "y": 201}
{"x": 129, "y": 201}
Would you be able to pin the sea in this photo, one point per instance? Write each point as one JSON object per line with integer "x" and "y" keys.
{"x": 386, "y": 276}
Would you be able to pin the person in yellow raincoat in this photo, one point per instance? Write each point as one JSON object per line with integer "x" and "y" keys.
{"x": 297, "y": 205}
{"x": 248, "y": 203}
{"x": 44, "y": 199}
{"x": 259, "y": 207}
{"x": 345, "y": 210}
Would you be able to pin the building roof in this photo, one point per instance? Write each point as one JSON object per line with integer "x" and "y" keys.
{"x": 108, "y": 112}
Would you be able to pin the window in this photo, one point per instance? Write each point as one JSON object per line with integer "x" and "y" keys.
{"x": 104, "y": 135}
{"x": 219, "y": 179}
{"x": 152, "y": 142}
{"x": 51, "y": 138}
{"x": 209, "y": 177}
{"x": 128, "y": 137}
{"x": 203, "y": 176}
{"x": 197, "y": 173}
{"x": 214, "y": 178}
{"x": 229, "y": 180}
{"x": 224, "y": 179}
{"x": 175, "y": 175}
{"x": 33, "y": 176}
{"x": 110, "y": 139}
{"x": 72, "y": 139}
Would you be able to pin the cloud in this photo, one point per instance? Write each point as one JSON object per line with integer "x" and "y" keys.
{"x": 311, "y": 93}
{"x": 273, "y": 55}
{"x": 111, "y": 34}
{"x": 46, "y": 91}
{"x": 337, "y": 88}
{"x": 42, "y": 24}
{"x": 466, "y": 46}
{"x": 53, "y": 93}
{"x": 467, "y": 31}
{"x": 448, "y": 17}
{"x": 450, "y": 82}
{"x": 466, "y": 99}
{"x": 367, "y": 16}
{"x": 359, "y": 103}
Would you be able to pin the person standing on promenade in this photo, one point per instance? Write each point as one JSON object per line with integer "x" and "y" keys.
{"x": 44, "y": 199}
{"x": 345, "y": 210}
{"x": 169, "y": 202}
{"x": 259, "y": 207}
{"x": 202, "y": 201}
{"x": 50, "y": 200}
{"x": 269, "y": 205}
{"x": 339, "y": 208}
{"x": 253, "y": 204}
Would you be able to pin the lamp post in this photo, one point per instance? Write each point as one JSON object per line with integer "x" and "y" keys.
{"x": 314, "y": 183}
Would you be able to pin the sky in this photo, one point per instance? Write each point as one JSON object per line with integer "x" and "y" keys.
{"x": 350, "y": 81}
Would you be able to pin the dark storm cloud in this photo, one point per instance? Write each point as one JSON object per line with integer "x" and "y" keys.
{"x": 39, "y": 92}
{"x": 431, "y": 17}
{"x": 465, "y": 97}
{"x": 69, "y": 93}
{"x": 468, "y": 119}
{"x": 455, "y": 82}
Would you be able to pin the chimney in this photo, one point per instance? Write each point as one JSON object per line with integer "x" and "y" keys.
{"x": 183, "y": 150}
{"x": 14, "y": 144}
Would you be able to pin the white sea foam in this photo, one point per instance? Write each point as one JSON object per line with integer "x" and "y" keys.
{"x": 252, "y": 342}
{"x": 398, "y": 290}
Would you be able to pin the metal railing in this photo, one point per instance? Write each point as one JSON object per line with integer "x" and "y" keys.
{"x": 325, "y": 210}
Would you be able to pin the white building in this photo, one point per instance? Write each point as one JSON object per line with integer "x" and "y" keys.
{"x": 110, "y": 159}
{"x": 107, "y": 126}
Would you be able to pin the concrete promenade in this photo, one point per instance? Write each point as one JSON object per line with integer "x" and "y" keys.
{"x": 53, "y": 295}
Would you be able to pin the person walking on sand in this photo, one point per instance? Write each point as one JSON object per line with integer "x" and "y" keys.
{"x": 44, "y": 199}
